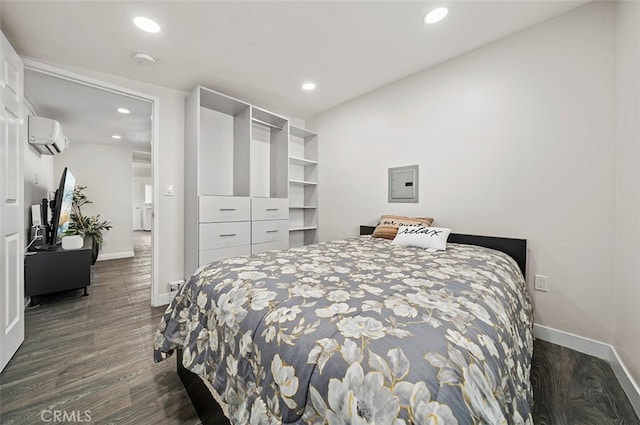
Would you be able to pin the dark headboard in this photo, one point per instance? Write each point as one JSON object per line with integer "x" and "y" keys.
{"x": 515, "y": 248}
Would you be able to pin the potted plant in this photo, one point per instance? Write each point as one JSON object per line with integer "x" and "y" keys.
{"x": 87, "y": 225}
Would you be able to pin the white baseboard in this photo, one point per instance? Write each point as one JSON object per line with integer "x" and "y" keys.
{"x": 581, "y": 344}
{"x": 115, "y": 255}
{"x": 630, "y": 387}
{"x": 596, "y": 349}
{"x": 163, "y": 299}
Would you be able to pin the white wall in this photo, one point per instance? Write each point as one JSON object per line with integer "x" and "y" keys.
{"x": 627, "y": 252}
{"x": 513, "y": 139}
{"x": 106, "y": 172}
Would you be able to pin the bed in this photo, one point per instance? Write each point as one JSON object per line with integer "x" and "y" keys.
{"x": 358, "y": 331}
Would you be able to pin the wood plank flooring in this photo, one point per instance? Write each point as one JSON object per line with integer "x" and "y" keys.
{"x": 573, "y": 388}
{"x": 95, "y": 353}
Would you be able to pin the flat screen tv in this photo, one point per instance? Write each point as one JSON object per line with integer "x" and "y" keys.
{"x": 62, "y": 203}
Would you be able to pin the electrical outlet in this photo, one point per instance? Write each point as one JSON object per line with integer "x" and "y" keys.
{"x": 175, "y": 285}
{"x": 540, "y": 283}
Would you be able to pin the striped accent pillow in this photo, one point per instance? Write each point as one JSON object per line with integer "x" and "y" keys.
{"x": 388, "y": 225}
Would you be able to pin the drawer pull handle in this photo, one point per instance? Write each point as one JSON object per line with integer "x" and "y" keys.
{"x": 228, "y": 235}
{"x": 227, "y": 209}
{"x": 273, "y": 209}
{"x": 272, "y": 231}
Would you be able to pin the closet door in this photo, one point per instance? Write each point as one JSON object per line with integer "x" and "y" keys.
{"x": 11, "y": 202}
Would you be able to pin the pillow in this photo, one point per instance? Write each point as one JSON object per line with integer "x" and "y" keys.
{"x": 388, "y": 225}
{"x": 423, "y": 237}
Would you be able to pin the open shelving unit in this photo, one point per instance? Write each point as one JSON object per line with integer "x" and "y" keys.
{"x": 303, "y": 187}
{"x": 251, "y": 180}
{"x": 236, "y": 179}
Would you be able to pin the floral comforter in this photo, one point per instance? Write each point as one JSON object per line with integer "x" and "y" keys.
{"x": 359, "y": 331}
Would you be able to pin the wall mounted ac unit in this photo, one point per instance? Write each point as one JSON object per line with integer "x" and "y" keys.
{"x": 45, "y": 135}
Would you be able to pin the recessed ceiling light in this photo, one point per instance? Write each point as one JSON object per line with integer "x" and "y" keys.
{"x": 309, "y": 86}
{"x": 123, "y": 110}
{"x": 436, "y": 15}
{"x": 116, "y": 136}
{"x": 146, "y": 24}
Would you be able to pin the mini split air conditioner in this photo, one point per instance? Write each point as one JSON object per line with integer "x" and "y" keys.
{"x": 45, "y": 135}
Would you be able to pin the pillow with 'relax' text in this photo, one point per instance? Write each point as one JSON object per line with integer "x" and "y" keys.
{"x": 434, "y": 238}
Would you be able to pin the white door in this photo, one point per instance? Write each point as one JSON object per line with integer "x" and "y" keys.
{"x": 11, "y": 203}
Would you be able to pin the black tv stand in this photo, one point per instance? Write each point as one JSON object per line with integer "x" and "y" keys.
{"x": 55, "y": 270}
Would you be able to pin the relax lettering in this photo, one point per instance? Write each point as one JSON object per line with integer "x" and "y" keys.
{"x": 419, "y": 229}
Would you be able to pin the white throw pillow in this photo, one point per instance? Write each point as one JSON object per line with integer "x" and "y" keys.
{"x": 423, "y": 237}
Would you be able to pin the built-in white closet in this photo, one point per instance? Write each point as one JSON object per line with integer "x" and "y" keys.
{"x": 250, "y": 180}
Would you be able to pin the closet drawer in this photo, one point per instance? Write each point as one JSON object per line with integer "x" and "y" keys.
{"x": 214, "y": 209}
{"x": 269, "y": 246}
{"x": 269, "y": 208}
{"x": 223, "y": 235}
{"x": 211, "y": 255}
{"x": 269, "y": 231}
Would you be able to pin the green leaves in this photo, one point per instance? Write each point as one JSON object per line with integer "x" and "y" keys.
{"x": 86, "y": 225}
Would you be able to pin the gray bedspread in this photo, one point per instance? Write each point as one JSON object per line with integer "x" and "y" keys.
{"x": 359, "y": 331}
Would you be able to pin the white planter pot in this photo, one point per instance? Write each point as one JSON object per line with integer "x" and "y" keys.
{"x": 72, "y": 242}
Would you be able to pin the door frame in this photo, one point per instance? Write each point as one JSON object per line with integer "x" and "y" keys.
{"x": 34, "y": 65}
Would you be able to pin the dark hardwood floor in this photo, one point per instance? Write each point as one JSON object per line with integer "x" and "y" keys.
{"x": 94, "y": 354}
{"x": 573, "y": 388}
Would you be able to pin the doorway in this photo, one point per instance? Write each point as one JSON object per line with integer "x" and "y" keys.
{"x": 113, "y": 134}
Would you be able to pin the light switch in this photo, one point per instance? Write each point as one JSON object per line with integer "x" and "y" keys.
{"x": 168, "y": 190}
{"x": 403, "y": 184}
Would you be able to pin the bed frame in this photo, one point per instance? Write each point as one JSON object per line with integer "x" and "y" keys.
{"x": 209, "y": 410}
{"x": 207, "y": 407}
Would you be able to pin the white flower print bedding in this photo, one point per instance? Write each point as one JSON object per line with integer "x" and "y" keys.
{"x": 359, "y": 331}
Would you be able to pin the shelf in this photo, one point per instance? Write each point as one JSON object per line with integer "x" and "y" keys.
{"x": 303, "y": 182}
{"x": 301, "y": 161}
{"x": 300, "y": 132}
{"x": 266, "y": 124}
{"x": 300, "y": 229}
{"x": 219, "y": 102}
{"x": 260, "y": 116}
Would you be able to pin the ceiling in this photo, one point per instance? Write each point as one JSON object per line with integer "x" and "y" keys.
{"x": 262, "y": 51}
{"x": 88, "y": 114}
